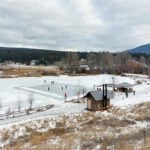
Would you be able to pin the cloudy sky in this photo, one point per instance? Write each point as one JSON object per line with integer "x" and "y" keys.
{"x": 86, "y": 25}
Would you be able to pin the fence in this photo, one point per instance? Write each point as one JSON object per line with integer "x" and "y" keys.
{"x": 13, "y": 114}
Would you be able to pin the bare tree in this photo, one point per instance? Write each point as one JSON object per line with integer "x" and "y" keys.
{"x": 142, "y": 60}
{"x": 149, "y": 73}
{"x": 19, "y": 105}
{"x": 8, "y": 113}
{"x": 30, "y": 100}
{"x": 92, "y": 59}
{"x": 72, "y": 61}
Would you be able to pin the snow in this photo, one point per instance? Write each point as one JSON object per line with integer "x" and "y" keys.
{"x": 143, "y": 124}
{"x": 142, "y": 94}
{"x": 18, "y": 89}
{"x": 18, "y": 65}
{"x": 136, "y": 75}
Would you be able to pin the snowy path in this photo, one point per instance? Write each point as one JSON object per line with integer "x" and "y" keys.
{"x": 59, "y": 110}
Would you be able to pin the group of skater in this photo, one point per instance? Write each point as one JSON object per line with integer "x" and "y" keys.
{"x": 62, "y": 87}
{"x": 52, "y": 83}
{"x": 65, "y": 94}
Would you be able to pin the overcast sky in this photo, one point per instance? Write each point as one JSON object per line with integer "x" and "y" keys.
{"x": 84, "y": 25}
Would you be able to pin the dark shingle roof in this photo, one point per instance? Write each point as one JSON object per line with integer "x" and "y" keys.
{"x": 98, "y": 95}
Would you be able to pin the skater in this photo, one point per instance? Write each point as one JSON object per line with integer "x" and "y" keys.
{"x": 62, "y": 88}
{"x": 133, "y": 92}
{"x": 52, "y": 82}
{"x": 48, "y": 88}
{"x": 83, "y": 91}
{"x": 65, "y": 95}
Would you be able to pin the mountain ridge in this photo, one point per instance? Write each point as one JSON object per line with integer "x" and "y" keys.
{"x": 143, "y": 49}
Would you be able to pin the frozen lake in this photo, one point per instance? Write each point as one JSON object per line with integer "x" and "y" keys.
{"x": 16, "y": 90}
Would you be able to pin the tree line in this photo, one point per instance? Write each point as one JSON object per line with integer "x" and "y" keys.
{"x": 100, "y": 61}
{"x": 26, "y": 55}
{"x": 106, "y": 62}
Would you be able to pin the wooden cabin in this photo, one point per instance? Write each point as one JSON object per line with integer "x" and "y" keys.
{"x": 98, "y": 100}
{"x": 125, "y": 87}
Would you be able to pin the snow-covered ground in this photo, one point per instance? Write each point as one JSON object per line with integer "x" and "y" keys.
{"x": 18, "y": 89}
{"x": 44, "y": 92}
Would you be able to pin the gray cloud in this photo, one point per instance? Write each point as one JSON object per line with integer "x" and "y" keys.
{"x": 90, "y": 25}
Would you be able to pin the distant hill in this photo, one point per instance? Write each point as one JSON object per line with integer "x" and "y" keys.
{"x": 144, "y": 49}
{"x": 25, "y": 55}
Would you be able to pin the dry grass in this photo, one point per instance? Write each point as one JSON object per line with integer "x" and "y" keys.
{"x": 90, "y": 129}
{"x": 30, "y": 71}
{"x": 141, "y": 111}
{"x": 5, "y": 135}
{"x": 123, "y": 145}
{"x": 115, "y": 122}
{"x": 69, "y": 143}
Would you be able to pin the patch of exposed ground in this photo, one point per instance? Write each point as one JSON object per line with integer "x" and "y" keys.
{"x": 29, "y": 71}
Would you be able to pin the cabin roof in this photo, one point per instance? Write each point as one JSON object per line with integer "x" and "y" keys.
{"x": 124, "y": 85}
{"x": 98, "y": 95}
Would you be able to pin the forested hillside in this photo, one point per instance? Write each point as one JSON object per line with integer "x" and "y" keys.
{"x": 143, "y": 49}
{"x": 25, "y": 55}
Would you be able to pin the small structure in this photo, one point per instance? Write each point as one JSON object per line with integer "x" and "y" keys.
{"x": 33, "y": 62}
{"x": 99, "y": 100}
{"x": 82, "y": 61}
{"x": 125, "y": 87}
{"x": 82, "y": 68}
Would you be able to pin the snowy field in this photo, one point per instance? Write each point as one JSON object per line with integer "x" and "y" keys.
{"x": 16, "y": 90}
